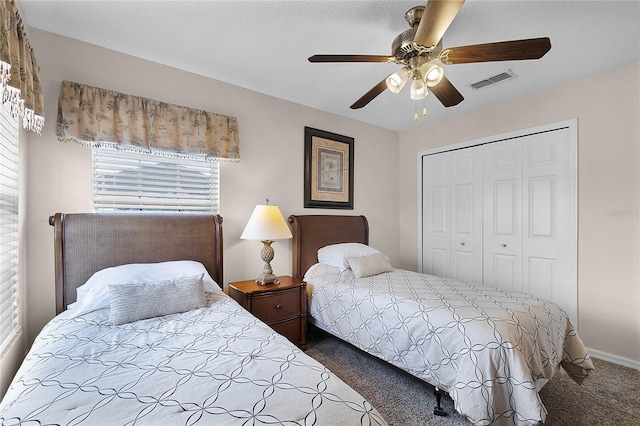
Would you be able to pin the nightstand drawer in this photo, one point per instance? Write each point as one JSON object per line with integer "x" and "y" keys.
{"x": 289, "y": 329}
{"x": 276, "y": 306}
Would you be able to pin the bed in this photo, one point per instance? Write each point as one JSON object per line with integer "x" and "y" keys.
{"x": 490, "y": 350}
{"x": 212, "y": 364}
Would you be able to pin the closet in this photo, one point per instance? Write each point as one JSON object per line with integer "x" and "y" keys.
{"x": 502, "y": 211}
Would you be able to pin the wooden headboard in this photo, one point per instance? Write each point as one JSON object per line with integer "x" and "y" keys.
{"x": 85, "y": 243}
{"x": 312, "y": 232}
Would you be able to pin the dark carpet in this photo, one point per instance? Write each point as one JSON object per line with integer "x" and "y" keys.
{"x": 609, "y": 396}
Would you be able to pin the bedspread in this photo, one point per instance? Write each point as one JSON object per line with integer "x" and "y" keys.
{"x": 489, "y": 349}
{"x": 215, "y": 365}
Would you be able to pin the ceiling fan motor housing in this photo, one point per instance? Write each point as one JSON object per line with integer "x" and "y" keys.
{"x": 403, "y": 47}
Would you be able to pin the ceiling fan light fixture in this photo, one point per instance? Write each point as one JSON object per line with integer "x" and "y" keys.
{"x": 418, "y": 88}
{"x": 396, "y": 81}
{"x": 433, "y": 74}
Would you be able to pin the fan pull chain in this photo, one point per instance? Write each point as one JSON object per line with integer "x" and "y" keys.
{"x": 415, "y": 111}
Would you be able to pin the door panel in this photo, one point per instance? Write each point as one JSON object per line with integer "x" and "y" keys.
{"x": 505, "y": 270}
{"x": 505, "y": 197}
{"x": 502, "y": 215}
{"x": 466, "y": 209}
{"x": 437, "y": 262}
{"x": 436, "y": 227}
{"x": 542, "y": 207}
{"x": 549, "y": 247}
{"x": 439, "y": 212}
{"x": 452, "y": 214}
{"x": 541, "y": 276}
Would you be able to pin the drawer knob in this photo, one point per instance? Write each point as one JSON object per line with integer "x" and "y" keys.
{"x": 279, "y": 307}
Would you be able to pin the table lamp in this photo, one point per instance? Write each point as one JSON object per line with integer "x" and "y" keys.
{"x": 266, "y": 224}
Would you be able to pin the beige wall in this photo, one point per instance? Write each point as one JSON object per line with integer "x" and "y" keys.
{"x": 607, "y": 106}
{"x": 271, "y": 150}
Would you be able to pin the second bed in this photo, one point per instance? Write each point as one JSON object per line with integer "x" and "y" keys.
{"x": 491, "y": 350}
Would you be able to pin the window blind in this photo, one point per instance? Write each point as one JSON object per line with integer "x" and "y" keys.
{"x": 9, "y": 321}
{"x": 134, "y": 181}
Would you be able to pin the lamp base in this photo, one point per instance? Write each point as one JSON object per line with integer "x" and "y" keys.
{"x": 266, "y": 254}
{"x": 264, "y": 279}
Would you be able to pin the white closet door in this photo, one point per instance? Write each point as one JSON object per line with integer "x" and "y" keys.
{"x": 436, "y": 226}
{"x": 466, "y": 214}
{"x": 549, "y": 260}
{"x": 502, "y": 215}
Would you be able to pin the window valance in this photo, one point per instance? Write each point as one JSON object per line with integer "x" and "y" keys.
{"x": 98, "y": 117}
{"x": 19, "y": 80}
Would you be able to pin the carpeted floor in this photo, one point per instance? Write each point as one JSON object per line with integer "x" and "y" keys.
{"x": 610, "y": 396}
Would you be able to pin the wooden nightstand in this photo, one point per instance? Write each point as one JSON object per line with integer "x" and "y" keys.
{"x": 282, "y": 306}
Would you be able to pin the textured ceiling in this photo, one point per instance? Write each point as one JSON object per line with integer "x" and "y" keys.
{"x": 264, "y": 45}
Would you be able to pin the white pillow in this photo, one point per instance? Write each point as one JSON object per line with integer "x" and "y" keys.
{"x": 372, "y": 264}
{"x": 133, "y": 302}
{"x": 94, "y": 294}
{"x": 336, "y": 254}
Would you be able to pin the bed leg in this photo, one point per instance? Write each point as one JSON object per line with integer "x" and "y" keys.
{"x": 439, "y": 411}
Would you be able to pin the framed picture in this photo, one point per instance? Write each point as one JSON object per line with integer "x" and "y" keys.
{"x": 328, "y": 170}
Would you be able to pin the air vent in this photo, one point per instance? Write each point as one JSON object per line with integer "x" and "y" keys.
{"x": 507, "y": 75}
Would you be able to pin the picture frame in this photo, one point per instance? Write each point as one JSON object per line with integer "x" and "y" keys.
{"x": 328, "y": 170}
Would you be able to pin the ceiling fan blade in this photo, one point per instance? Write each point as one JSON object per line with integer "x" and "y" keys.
{"x": 447, "y": 93}
{"x": 437, "y": 16}
{"x": 350, "y": 58}
{"x": 370, "y": 95}
{"x": 515, "y": 50}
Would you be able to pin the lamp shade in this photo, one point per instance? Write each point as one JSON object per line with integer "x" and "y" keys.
{"x": 266, "y": 223}
{"x": 432, "y": 73}
{"x": 395, "y": 82}
{"x": 418, "y": 88}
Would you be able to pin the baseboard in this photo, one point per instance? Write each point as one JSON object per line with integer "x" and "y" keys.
{"x": 614, "y": 358}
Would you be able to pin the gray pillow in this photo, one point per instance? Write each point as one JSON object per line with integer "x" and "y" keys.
{"x": 372, "y": 264}
{"x": 133, "y": 302}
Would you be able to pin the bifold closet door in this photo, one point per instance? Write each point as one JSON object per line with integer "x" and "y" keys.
{"x": 549, "y": 260}
{"x": 452, "y": 214}
{"x": 529, "y": 217}
{"x": 502, "y": 215}
{"x": 436, "y": 225}
{"x": 466, "y": 214}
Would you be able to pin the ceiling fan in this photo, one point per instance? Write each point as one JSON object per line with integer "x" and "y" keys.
{"x": 419, "y": 51}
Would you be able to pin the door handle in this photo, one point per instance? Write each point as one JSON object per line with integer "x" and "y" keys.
{"x": 504, "y": 245}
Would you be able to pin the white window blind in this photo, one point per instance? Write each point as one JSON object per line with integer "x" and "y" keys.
{"x": 133, "y": 181}
{"x": 9, "y": 321}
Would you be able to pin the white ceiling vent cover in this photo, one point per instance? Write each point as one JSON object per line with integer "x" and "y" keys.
{"x": 507, "y": 75}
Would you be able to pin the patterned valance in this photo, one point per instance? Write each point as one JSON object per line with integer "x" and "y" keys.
{"x": 98, "y": 117}
{"x": 19, "y": 80}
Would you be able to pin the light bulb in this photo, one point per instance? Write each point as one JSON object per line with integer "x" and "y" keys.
{"x": 396, "y": 81}
{"x": 418, "y": 88}
{"x": 433, "y": 74}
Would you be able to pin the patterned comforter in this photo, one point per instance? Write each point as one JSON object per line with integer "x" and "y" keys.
{"x": 216, "y": 365}
{"x": 490, "y": 350}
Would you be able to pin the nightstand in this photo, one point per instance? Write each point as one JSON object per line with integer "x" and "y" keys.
{"x": 282, "y": 306}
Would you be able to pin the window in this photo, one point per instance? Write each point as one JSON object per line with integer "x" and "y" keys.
{"x": 9, "y": 322}
{"x": 133, "y": 181}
